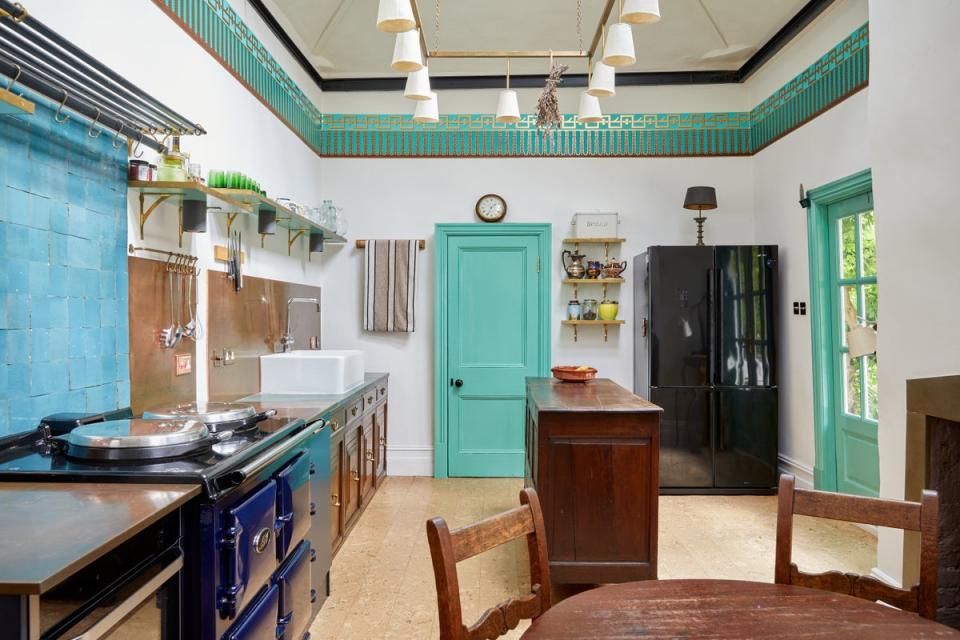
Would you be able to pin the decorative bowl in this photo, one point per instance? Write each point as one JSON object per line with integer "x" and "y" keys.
{"x": 574, "y": 374}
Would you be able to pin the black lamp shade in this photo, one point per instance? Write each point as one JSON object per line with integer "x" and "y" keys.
{"x": 266, "y": 222}
{"x": 700, "y": 198}
{"x": 316, "y": 242}
{"x": 193, "y": 217}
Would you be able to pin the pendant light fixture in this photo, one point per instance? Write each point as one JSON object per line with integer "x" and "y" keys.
{"x": 427, "y": 111}
{"x": 640, "y": 12}
{"x": 619, "y": 50}
{"x": 406, "y": 52}
{"x": 508, "y": 108}
{"x": 418, "y": 85}
{"x": 395, "y": 16}
{"x": 602, "y": 82}
{"x": 589, "y": 110}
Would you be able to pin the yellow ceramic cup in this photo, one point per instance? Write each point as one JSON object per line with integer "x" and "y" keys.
{"x": 609, "y": 310}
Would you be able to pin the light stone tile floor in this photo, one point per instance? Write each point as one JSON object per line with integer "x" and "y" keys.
{"x": 382, "y": 579}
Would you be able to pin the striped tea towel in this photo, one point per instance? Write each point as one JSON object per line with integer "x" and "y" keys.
{"x": 390, "y": 288}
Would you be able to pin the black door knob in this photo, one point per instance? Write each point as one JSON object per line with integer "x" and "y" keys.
{"x": 457, "y": 383}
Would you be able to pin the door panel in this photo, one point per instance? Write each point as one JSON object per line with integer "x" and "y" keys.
{"x": 680, "y": 316}
{"x": 686, "y": 455}
{"x": 493, "y": 325}
{"x": 746, "y": 434}
{"x": 746, "y": 341}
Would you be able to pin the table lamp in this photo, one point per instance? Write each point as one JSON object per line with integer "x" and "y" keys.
{"x": 700, "y": 199}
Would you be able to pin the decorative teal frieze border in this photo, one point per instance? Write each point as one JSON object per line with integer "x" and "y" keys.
{"x": 839, "y": 74}
{"x": 216, "y": 27}
{"x": 478, "y": 135}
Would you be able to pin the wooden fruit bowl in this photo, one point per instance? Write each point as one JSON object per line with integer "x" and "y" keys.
{"x": 574, "y": 374}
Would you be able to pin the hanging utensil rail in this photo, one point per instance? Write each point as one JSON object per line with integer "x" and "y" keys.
{"x": 175, "y": 261}
{"x": 37, "y": 58}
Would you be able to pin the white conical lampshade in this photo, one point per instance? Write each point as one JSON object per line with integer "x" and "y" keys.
{"x": 619, "y": 51}
{"x": 418, "y": 85}
{"x": 508, "y": 108}
{"x": 640, "y": 11}
{"x": 589, "y": 108}
{"x": 395, "y": 16}
{"x": 603, "y": 81}
{"x": 427, "y": 110}
{"x": 406, "y": 52}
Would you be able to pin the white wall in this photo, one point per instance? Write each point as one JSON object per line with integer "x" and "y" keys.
{"x": 405, "y": 198}
{"x": 832, "y": 146}
{"x": 914, "y": 141}
{"x": 242, "y": 134}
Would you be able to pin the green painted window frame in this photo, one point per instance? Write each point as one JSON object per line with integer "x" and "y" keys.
{"x": 443, "y": 232}
{"x": 824, "y": 374}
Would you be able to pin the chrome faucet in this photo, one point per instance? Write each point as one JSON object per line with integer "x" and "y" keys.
{"x": 286, "y": 342}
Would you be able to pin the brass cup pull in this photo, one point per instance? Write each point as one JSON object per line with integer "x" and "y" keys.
{"x": 355, "y": 475}
{"x": 369, "y": 456}
{"x": 334, "y": 426}
{"x": 383, "y": 442}
{"x": 334, "y": 500}
{"x": 353, "y": 411}
{"x": 370, "y": 400}
{"x": 383, "y": 392}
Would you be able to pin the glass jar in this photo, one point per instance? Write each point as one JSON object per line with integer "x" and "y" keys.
{"x": 573, "y": 310}
{"x": 138, "y": 171}
{"x": 589, "y": 309}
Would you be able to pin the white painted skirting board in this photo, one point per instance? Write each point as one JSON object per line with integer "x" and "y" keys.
{"x": 405, "y": 460}
{"x": 803, "y": 473}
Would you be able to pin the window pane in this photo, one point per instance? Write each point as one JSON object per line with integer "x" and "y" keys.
{"x": 851, "y": 385}
{"x": 848, "y": 247}
{"x": 849, "y": 305}
{"x": 872, "y": 396}
{"x": 870, "y": 293}
{"x": 868, "y": 244}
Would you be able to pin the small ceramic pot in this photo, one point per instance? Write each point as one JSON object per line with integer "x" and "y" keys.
{"x": 609, "y": 310}
{"x": 594, "y": 267}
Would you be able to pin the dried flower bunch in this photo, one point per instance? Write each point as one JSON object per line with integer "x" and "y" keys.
{"x": 548, "y": 106}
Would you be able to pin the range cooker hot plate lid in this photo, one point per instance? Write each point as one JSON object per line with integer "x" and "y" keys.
{"x": 206, "y": 412}
{"x": 138, "y": 433}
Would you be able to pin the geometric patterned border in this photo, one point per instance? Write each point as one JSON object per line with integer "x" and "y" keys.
{"x": 216, "y": 27}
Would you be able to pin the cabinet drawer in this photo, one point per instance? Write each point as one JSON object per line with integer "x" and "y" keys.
{"x": 337, "y": 420}
{"x": 354, "y": 410}
{"x": 381, "y": 392}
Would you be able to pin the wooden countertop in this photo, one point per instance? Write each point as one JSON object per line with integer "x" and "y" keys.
{"x": 52, "y": 530}
{"x": 601, "y": 394}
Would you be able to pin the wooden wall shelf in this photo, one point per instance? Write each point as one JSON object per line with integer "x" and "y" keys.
{"x": 594, "y": 240}
{"x": 286, "y": 218}
{"x": 579, "y": 281}
{"x": 576, "y": 324}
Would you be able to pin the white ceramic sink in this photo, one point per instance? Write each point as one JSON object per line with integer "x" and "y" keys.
{"x": 311, "y": 372}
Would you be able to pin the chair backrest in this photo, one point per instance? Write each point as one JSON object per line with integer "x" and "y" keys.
{"x": 911, "y": 516}
{"x": 450, "y": 547}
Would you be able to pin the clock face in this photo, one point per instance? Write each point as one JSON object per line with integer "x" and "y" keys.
{"x": 491, "y": 208}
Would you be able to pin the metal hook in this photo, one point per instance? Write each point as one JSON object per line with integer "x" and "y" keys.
{"x": 93, "y": 124}
{"x": 15, "y": 78}
{"x": 56, "y": 116}
{"x": 117, "y": 137}
{"x": 139, "y": 140}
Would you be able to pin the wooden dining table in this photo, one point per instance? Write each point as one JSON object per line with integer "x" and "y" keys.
{"x": 725, "y": 609}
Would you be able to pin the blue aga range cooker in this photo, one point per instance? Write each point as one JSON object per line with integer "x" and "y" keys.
{"x": 255, "y": 546}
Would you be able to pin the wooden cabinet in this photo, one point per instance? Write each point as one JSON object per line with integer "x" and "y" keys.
{"x": 380, "y": 441}
{"x": 336, "y": 491}
{"x": 369, "y": 466}
{"x": 351, "y": 479}
{"x": 593, "y": 457}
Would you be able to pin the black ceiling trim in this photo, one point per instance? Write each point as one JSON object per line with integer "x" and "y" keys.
{"x": 287, "y": 43}
{"x": 783, "y": 37}
{"x": 788, "y": 32}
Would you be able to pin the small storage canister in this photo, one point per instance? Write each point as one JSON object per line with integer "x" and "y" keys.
{"x": 573, "y": 310}
{"x": 590, "y": 309}
{"x": 139, "y": 170}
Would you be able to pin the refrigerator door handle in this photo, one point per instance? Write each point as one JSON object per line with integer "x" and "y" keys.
{"x": 712, "y": 321}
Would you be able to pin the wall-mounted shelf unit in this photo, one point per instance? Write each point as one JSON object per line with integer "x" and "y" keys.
{"x": 605, "y": 282}
{"x": 295, "y": 224}
{"x": 190, "y": 190}
{"x": 592, "y": 323}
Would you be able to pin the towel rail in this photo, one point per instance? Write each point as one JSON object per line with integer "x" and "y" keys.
{"x": 422, "y": 244}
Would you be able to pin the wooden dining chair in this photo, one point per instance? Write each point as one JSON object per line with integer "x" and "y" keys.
{"x": 450, "y": 547}
{"x": 911, "y": 516}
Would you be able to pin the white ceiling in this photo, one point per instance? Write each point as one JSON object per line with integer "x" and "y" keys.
{"x": 341, "y": 39}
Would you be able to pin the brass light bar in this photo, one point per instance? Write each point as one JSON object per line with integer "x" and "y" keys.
{"x": 507, "y": 54}
{"x": 603, "y": 21}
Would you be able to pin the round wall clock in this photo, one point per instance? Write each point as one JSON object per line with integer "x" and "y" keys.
{"x": 491, "y": 208}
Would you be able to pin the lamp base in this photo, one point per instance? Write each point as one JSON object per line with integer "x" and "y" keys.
{"x": 700, "y": 220}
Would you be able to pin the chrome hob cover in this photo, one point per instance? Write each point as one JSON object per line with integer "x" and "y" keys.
{"x": 210, "y": 413}
{"x": 137, "y": 433}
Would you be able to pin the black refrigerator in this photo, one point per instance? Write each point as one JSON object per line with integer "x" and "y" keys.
{"x": 706, "y": 351}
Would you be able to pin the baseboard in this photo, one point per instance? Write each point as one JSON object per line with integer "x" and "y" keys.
{"x": 880, "y": 575}
{"x": 802, "y": 472}
{"x": 409, "y": 460}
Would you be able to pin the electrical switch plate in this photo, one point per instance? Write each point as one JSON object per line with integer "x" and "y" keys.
{"x": 184, "y": 364}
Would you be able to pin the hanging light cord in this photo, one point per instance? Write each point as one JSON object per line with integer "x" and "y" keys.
{"x": 508, "y": 74}
{"x": 436, "y": 26}
{"x": 580, "y": 25}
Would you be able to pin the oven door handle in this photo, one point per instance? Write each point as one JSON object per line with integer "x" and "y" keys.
{"x": 238, "y": 476}
{"x": 119, "y": 613}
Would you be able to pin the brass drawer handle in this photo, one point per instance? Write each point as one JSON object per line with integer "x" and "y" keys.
{"x": 383, "y": 442}
{"x": 383, "y": 392}
{"x": 334, "y": 426}
{"x": 353, "y": 411}
{"x": 369, "y": 456}
{"x": 370, "y": 400}
{"x": 356, "y": 476}
{"x": 334, "y": 500}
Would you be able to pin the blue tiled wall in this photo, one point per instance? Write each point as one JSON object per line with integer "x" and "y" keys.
{"x": 63, "y": 281}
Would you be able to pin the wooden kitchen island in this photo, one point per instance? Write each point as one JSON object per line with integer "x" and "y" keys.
{"x": 593, "y": 458}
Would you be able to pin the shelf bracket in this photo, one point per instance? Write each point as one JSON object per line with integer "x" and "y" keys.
{"x": 231, "y": 216}
{"x": 145, "y": 214}
{"x": 291, "y": 238}
{"x": 574, "y": 333}
{"x": 604, "y": 333}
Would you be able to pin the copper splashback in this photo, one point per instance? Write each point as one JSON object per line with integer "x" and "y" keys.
{"x": 250, "y": 323}
{"x": 153, "y": 379}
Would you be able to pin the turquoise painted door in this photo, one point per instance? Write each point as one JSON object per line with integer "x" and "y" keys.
{"x": 853, "y": 284}
{"x": 493, "y": 324}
